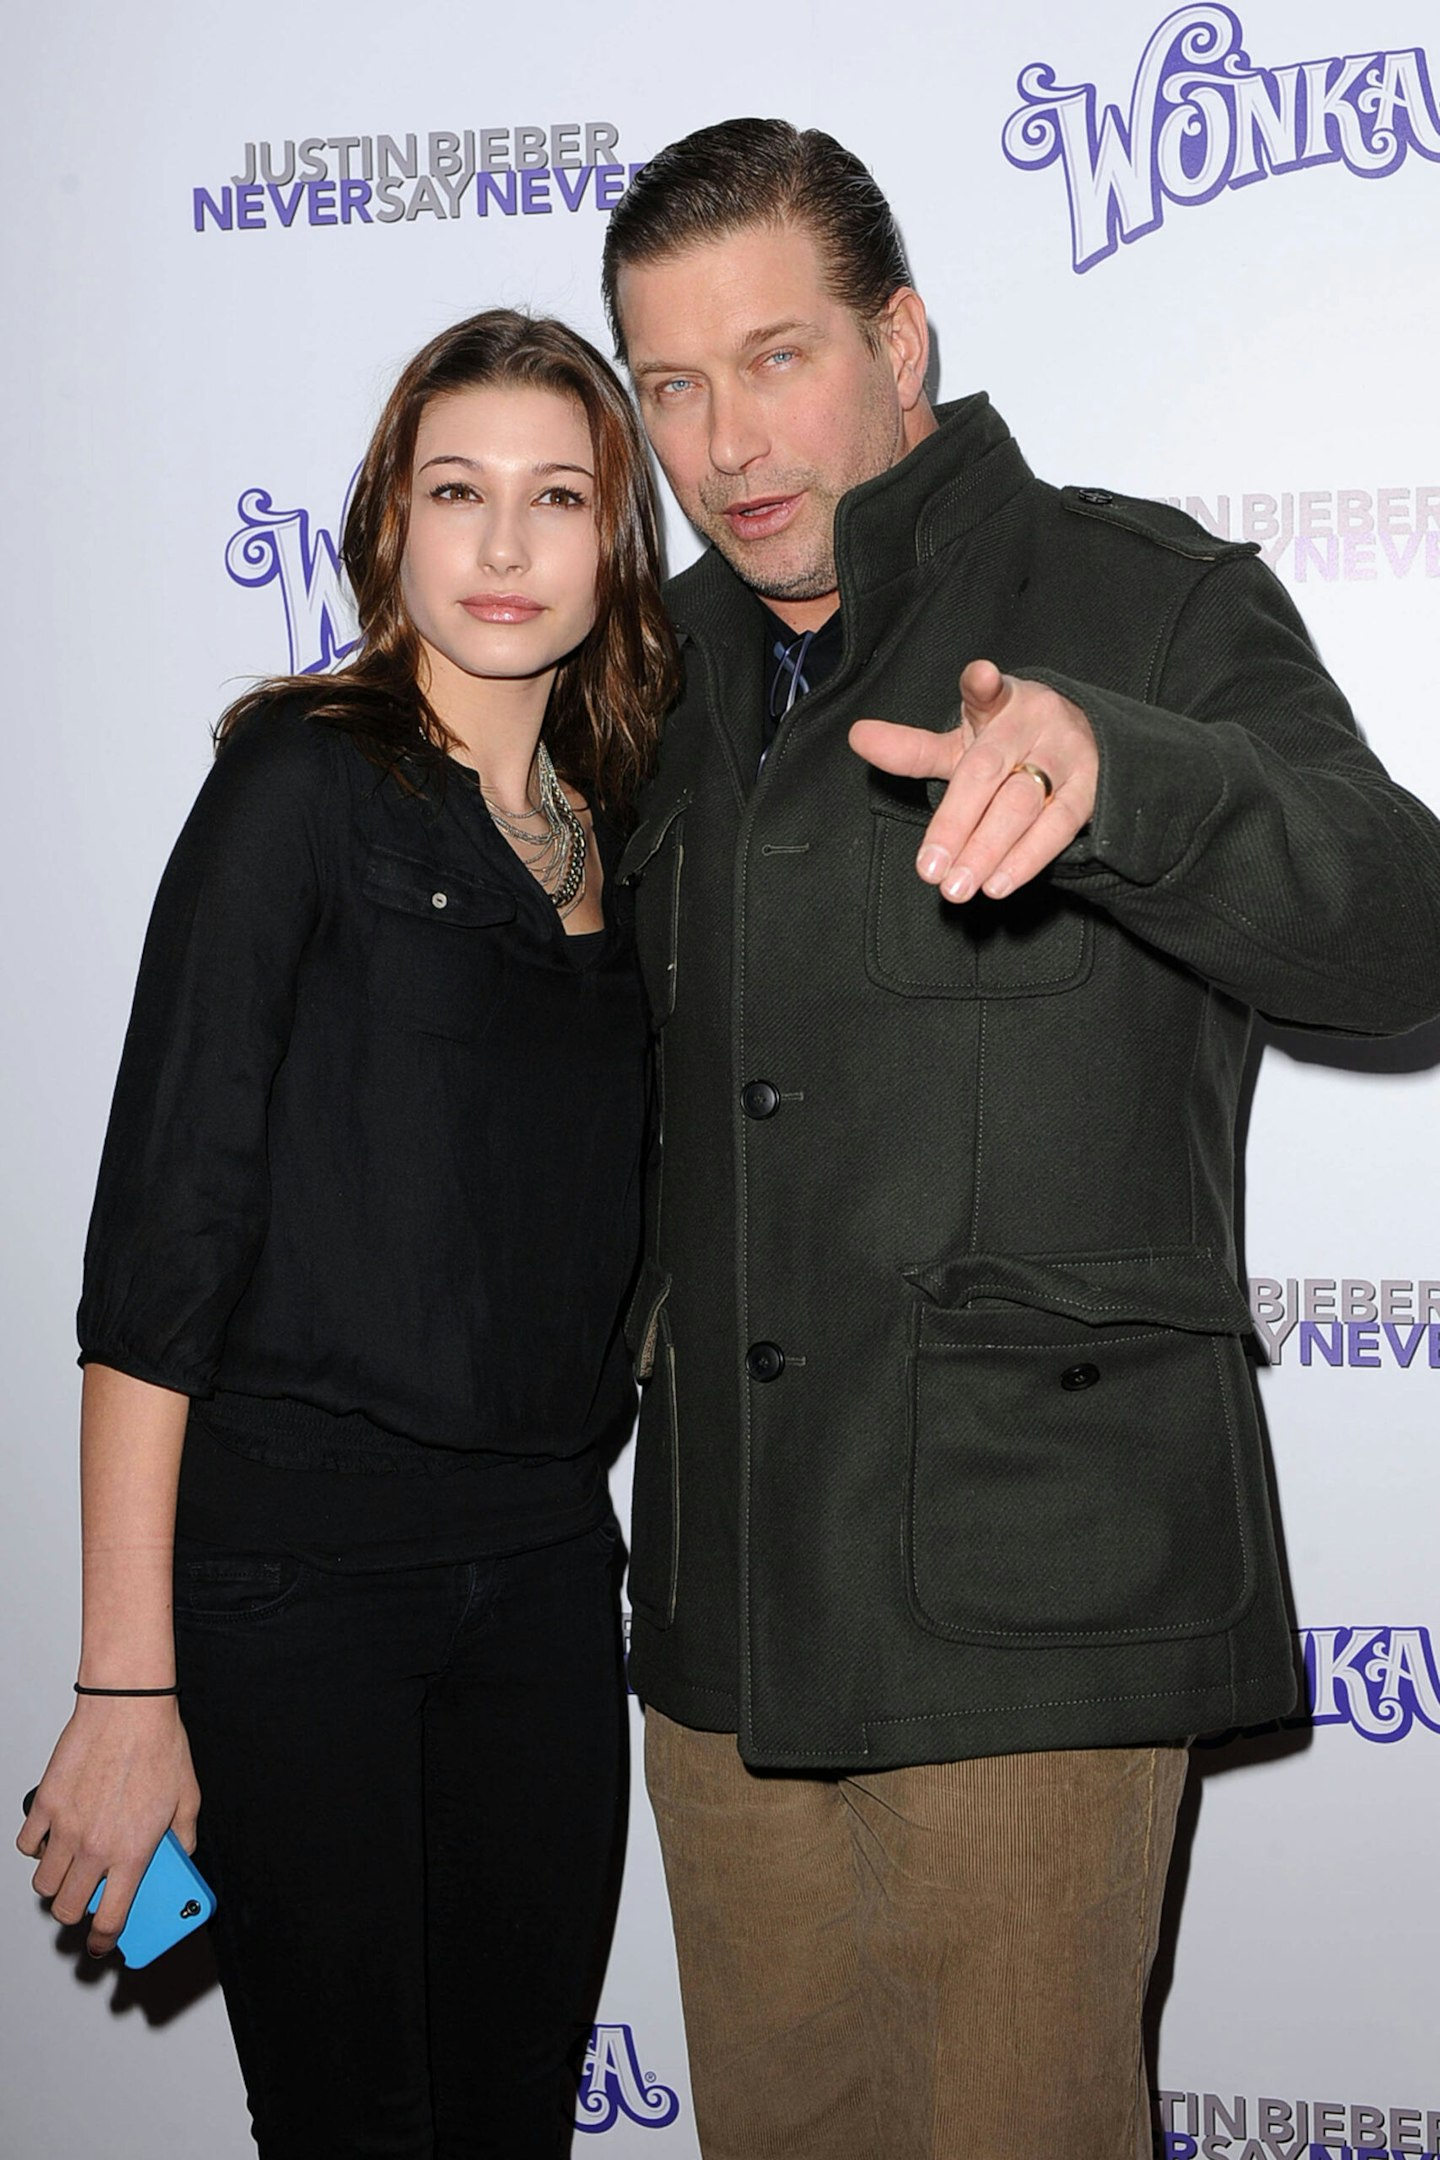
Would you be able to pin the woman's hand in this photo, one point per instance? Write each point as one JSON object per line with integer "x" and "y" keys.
{"x": 119, "y": 1778}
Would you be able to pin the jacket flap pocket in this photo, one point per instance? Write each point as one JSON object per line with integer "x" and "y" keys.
{"x": 1036, "y": 942}
{"x": 1181, "y": 1286}
{"x": 439, "y": 895}
{"x": 642, "y": 1320}
{"x": 648, "y": 837}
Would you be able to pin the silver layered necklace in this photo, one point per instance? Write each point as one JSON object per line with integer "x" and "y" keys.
{"x": 555, "y": 853}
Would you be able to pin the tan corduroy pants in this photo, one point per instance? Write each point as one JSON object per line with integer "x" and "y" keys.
{"x": 943, "y": 1963}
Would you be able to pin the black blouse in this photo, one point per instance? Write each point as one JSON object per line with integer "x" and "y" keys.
{"x": 371, "y": 1176}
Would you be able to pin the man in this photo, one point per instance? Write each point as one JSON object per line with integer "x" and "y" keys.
{"x": 950, "y": 1519}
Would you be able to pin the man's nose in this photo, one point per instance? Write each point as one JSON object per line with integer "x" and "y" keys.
{"x": 738, "y": 435}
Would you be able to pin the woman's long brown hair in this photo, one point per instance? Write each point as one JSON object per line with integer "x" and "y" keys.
{"x": 603, "y": 719}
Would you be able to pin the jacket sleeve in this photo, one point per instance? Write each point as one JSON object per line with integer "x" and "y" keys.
{"x": 1242, "y": 827}
{"x": 181, "y": 1204}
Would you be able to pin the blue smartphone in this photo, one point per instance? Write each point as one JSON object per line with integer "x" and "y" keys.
{"x": 171, "y": 1900}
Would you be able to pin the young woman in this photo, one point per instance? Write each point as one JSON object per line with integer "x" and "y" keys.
{"x": 366, "y": 1219}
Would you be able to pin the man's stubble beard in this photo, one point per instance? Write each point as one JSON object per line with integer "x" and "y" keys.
{"x": 878, "y": 445}
{"x": 807, "y": 580}
{"x": 810, "y": 581}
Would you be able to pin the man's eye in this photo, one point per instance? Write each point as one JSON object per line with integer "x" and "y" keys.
{"x": 673, "y": 386}
{"x": 779, "y": 358}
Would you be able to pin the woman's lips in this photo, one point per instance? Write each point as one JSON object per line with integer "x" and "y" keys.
{"x": 502, "y": 607}
{"x": 761, "y": 516}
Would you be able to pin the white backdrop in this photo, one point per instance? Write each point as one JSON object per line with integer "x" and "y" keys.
{"x": 1253, "y": 334}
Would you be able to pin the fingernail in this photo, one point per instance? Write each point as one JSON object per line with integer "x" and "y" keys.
{"x": 998, "y": 886}
{"x": 961, "y": 885}
{"x": 933, "y": 863}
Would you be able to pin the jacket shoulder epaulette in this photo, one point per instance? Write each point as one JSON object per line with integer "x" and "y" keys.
{"x": 1156, "y": 521}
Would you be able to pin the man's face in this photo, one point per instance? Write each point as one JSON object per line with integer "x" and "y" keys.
{"x": 765, "y": 402}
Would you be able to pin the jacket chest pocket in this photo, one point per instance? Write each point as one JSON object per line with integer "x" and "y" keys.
{"x": 652, "y": 865}
{"x": 434, "y": 962}
{"x": 1033, "y": 944}
{"x": 1084, "y": 1455}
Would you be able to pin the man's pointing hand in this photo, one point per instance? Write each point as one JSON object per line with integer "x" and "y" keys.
{"x": 1021, "y": 770}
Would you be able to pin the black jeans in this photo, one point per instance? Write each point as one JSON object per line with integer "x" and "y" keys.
{"x": 413, "y": 1799}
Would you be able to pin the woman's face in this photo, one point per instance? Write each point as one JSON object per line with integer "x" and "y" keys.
{"x": 501, "y": 558}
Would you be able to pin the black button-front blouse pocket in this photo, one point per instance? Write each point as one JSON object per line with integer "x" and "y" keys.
{"x": 1032, "y": 944}
{"x": 434, "y": 964}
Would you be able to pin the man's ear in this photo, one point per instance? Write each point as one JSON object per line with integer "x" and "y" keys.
{"x": 905, "y": 337}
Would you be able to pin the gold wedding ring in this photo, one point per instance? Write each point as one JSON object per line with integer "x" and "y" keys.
{"x": 1035, "y": 772}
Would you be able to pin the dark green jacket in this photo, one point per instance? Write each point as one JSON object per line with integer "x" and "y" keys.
{"x": 949, "y": 1444}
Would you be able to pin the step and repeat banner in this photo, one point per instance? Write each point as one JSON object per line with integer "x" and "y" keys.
{"x": 1191, "y": 254}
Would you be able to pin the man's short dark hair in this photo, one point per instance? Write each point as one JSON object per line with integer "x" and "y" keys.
{"x": 760, "y": 172}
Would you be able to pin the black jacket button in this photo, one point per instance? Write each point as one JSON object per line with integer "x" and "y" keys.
{"x": 1099, "y": 496}
{"x": 759, "y": 1099}
{"x": 1079, "y": 1376}
{"x": 764, "y": 1361}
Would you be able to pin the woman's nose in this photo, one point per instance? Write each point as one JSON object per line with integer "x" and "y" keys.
{"x": 502, "y": 546}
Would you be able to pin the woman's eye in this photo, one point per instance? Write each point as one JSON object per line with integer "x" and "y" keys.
{"x": 565, "y": 498}
{"x": 453, "y": 491}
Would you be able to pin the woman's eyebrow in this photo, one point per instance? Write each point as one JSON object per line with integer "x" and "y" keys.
{"x": 453, "y": 457}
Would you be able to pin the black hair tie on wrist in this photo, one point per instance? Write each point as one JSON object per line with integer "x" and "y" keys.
{"x": 125, "y": 1690}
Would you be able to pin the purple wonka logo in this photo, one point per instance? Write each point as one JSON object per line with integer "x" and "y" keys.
{"x": 1348, "y": 1321}
{"x": 1202, "y": 119}
{"x": 1202, "y": 2126}
{"x": 391, "y": 180}
{"x": 288, "y": 549}
{"x": 1382, "y": 1681}
{"x": 612, "y": 2084}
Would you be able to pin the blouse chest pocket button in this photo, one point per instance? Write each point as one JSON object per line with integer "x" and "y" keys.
{"x": 439, "y": 899}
